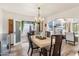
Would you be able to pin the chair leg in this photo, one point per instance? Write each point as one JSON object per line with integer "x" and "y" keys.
{"x": 31, "y": 52}
{"x": 40, "y": 52}
{"x": 28, "y": 50}
{"x": 74, "y": 43}
{"x": 49, "y": 52}
{"x": 66, "y": 41}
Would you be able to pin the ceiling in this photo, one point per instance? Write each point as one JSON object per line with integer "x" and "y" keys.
{"x": 30, "y": 9}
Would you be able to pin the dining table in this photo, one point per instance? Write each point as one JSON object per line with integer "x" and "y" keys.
{"x": 42, "y": 42}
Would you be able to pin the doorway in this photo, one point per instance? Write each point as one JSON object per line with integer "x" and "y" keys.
{"x": 27, "y": 27}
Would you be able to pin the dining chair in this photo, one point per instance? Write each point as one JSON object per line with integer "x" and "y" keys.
{"x": 57, "y": 45}
{"x": 70, "y": 37}
{"x": 32, "y": 32}
{"x": 53, "y": 50}
{"x": 47, "y": 33}
{"x": 31, "y": 44}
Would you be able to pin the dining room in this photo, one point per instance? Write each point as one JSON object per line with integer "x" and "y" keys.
{"x": 43, "y": 29}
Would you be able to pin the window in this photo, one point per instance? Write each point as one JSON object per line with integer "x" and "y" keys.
{"x": 75, "y": 27}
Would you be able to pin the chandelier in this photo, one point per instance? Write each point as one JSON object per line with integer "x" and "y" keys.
{"x": 39, "y": 18}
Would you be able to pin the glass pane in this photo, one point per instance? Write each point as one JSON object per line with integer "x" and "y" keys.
{"x": 74, "y": 27}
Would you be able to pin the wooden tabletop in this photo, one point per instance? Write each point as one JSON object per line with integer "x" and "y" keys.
{"x": 42, "y": 43}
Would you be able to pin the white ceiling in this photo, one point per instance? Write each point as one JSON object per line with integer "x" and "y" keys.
{"x": 30, "y": 9}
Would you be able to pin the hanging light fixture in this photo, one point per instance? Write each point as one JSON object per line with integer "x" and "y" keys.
{"x": 39, "y": 18}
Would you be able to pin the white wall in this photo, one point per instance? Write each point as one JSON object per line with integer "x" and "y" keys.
{"x": 0, "y": 21}
{"x": 1, "y": 28}
{"x": 15, "y": 16}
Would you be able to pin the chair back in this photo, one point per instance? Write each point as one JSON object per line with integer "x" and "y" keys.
{"x": 29, "y": 39}
{"x": 47, "y": 33}
{"x": 57, "y": 45}
{"x": 70, "y": 36}
{"x": 50, "y": 46}
{"x": 32, "y": 32}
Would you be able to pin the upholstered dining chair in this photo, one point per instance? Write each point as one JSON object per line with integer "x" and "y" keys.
{"x": 32, "y": 32}
{"x": 48, "y": 33}
{"x": 70, "y": 37}
{"x": 31, "y": 44}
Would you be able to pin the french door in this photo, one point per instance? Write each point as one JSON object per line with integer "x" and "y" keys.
{"x": 17, "y": 35}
